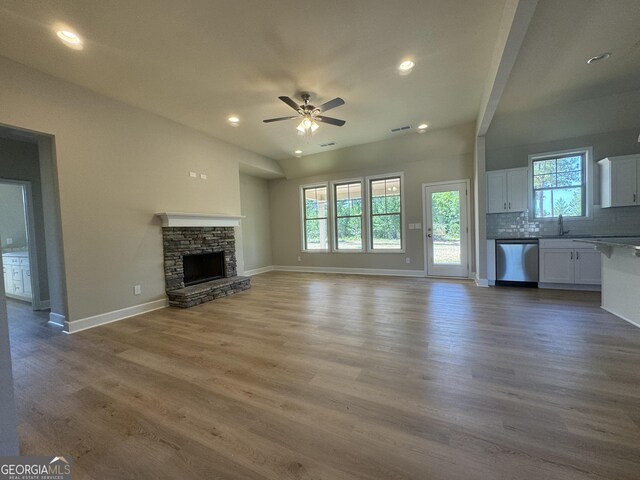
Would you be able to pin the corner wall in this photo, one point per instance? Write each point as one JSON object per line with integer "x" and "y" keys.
{"x": 117, "y": 166}
{"x": 256, "y": 224}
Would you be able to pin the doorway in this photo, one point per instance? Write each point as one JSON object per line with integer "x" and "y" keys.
{"x": 17, "y": 243}
{"x": 446, "y": 241}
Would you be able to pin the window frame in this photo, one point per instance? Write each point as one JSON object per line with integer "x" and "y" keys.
{"x": 303, "y": 218}
{"x": 334, "y": 215}
{"x": 587, "y": 185}
{"x": 369, "y": 223}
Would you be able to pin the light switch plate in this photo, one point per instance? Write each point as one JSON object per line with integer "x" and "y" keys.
{"x": 193, "y": 174}
{"x": 412, "y": 226}
{"x": 418, "y": 226}
{"x": 137, "y": 290}
{"x": 9, "y": 241}
{"x": 203, "y": 176}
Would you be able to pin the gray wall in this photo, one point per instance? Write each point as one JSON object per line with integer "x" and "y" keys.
{"x": 20, "y": 161}
{"x": 286, "y": 224}
{"x": 12, "y": 220}
{"x": 8, "y": 420}
{"x": 256, "y": 224}
{"x": 116, "y": 166}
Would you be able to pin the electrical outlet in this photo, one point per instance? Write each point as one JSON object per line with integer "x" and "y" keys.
{"x": 408, "y": 259}
{"x": 299, "y": 258}
{"x": 193, "y": 174}
{"x": 9, "y": 241}
{"x": 137, "y": 289}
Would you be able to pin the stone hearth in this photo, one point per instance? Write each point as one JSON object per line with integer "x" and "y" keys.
{"x": 181, "y": 241}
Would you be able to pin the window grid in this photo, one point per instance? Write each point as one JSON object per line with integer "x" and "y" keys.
{"x": 559, "y": 176}
{"x": 391, "y": 188}
{"x": 353, "y": 192}
{"x": 315, "y": 216}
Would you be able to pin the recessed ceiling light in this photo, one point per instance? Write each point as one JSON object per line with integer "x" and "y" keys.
{"x": 597, "y": 58}
{"x": 406, "y": 66}
{"x": 233, "y": 120}
{"x": 70, "y": 38}
{"x": 422, "y": 127}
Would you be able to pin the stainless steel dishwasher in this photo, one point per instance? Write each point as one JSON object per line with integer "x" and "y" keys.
{"x": 517, "y": 262}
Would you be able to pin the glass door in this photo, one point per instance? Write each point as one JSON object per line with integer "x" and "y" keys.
{"x": 447, "y": 235}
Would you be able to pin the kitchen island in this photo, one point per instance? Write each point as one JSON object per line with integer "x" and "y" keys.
{"x": 620, "y": 276}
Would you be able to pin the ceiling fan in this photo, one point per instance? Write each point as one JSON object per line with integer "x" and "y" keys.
{"x": 310, "y": 114}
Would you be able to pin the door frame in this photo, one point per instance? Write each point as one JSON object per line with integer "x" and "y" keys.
{"x": 425, "y": 251}
{"x": 36, "y": 300}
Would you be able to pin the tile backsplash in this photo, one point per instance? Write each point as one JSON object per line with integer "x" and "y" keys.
{"x": 604, "y": 221}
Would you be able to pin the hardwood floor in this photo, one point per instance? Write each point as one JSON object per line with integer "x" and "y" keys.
{"x": 311, "y": 376}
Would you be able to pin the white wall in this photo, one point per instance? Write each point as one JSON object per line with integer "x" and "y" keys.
{"x": 256, "y": 224}
{"x": 420, "y": 165}
{"x": 116, "y": 166}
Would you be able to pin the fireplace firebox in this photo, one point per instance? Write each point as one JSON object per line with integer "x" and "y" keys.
{"x": 203, "y": 267}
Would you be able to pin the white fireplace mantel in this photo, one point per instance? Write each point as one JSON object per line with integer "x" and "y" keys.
{"x": 182, "y": 219}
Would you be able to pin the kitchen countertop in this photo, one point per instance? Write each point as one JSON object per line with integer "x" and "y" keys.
{"x": 568, "y": 237}
{"x": 624, "y": 242}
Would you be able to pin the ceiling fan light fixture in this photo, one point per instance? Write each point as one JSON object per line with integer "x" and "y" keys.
{"x": 233, "y": 120}
{"x": 70, "y": 38}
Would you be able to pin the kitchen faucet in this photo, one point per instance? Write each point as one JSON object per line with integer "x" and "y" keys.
{"x": 561, "y": 229}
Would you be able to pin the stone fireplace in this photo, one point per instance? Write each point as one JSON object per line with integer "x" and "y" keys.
{"x": 200, "y": 258}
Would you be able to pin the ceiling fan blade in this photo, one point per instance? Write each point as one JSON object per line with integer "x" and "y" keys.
{"x": 331, "y": 121}
{"x": 269, "y": 120}
{"x": 336, "y": 102}
{"x": 290, "y": 102}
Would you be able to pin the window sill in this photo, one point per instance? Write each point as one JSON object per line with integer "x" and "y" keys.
{"x": 386, "y": 251}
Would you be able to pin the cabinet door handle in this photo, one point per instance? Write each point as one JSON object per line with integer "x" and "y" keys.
{"x": 571, "y": 255}
{"x": 509, "y": 205}
{"x": 577, "y": 255}
{"x": 505, "y": 205}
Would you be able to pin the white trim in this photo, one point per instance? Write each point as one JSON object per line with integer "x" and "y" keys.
{"x": 369, "y": 233}
{"x": 56, "y": 319}
{"x": 481, "y": 282}
{"x": 302, "y": 218}
{"x": 42, "y": 305}
{"x": 116, "y": 315}
{"x": 182, "y": 219}
{"x": 334, "y": 215}
{"x": 351, "y": 271}
{"x": 425, "y": 215}
{"x": 258, "y": 271}
{"x": 589, "y": 166}
{"x": 632, "y": 322}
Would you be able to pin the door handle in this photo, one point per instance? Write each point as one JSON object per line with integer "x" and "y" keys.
{"x": 429, "y": 235}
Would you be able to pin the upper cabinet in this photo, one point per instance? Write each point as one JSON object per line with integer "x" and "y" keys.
{"x": 507, "y": 190}
{"x": 620, "y": 181}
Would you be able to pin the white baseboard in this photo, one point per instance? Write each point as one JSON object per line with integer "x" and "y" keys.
{"x": 57, "y": 319}
{"x": 43, "y": 305}
{"x": 351, "y": 271}
{"x": 109, "y": 317}
{"x": 481, "y": 282}
{"x": 570, "y": 286}
{"x": 258, "y": 271}
{"x": 632, "y": 322}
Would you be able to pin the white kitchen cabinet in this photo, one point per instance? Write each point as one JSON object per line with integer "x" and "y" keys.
{"x": 507, "y": 190}
{"x": 620, "y": 181}
{"x": 17, "y": 275}
{"x": 566, "y": 262}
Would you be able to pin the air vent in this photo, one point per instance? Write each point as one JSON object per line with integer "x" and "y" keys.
{"x": 401, "y": 129}
{"x": 331, "y": 144}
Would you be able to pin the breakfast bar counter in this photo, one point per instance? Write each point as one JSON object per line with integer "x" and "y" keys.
{"x": 620, "y": 276}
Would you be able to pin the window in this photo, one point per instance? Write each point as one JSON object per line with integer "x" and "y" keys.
{"x": 348, "y": 215}
{"x": 385, "y": 204}
{"x": 560, "y": 185}
{"x": 315, "y": 218}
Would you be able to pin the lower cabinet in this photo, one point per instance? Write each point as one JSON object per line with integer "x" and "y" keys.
{"x": 17, "y": 275}
{"x": 565, "y": 262}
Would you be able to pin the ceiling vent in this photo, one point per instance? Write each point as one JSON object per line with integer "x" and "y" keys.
{"x": 330, "y": 144}
{"x": 401, "y": 129}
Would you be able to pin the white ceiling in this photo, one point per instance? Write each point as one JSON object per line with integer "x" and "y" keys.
{"x": 196, "y": 62}
{"x": 551, "y": 66}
